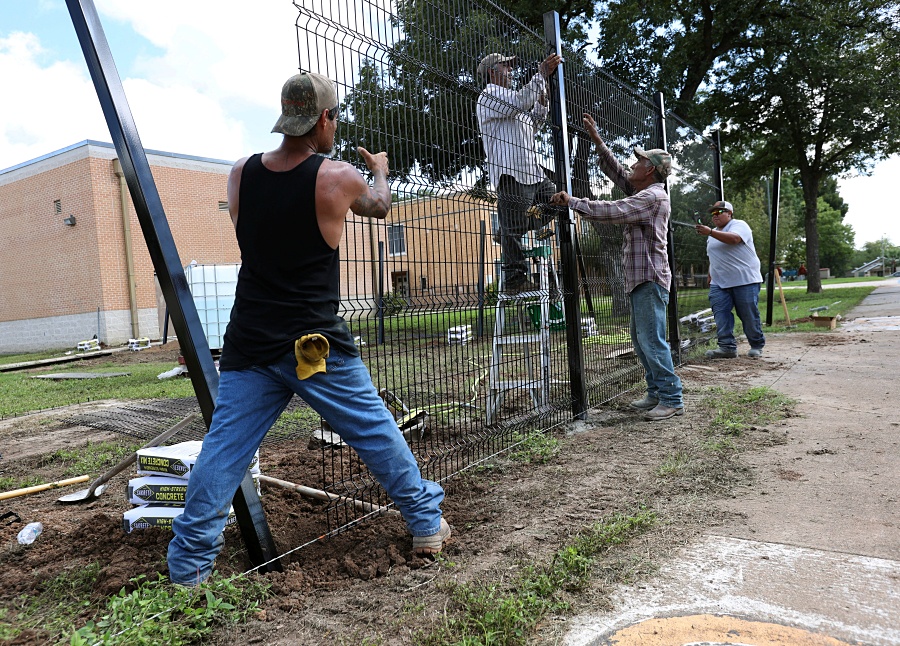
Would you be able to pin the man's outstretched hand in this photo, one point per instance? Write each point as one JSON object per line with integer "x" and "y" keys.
{"x": 591, "y": 127}
{"x": 376, "y": 163}
{"x": 560, "y": 199}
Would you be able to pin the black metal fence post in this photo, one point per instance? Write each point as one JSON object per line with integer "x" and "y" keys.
{"x": 565, "y": 229}
{"x": 773, "y": 241}
{"x": 164, "y": 255}
{"x": 674, "y": 331}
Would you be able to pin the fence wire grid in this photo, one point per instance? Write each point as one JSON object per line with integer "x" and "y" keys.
{"x": 467, "y": 370}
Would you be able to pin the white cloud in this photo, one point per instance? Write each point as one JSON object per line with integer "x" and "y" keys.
{"x": 874, "y": 211}
{"x": 53, "y": 106}
{"x": 231, "y": 51}
{"x": 179, "y": 119}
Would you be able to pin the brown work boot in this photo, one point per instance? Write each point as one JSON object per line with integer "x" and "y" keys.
{"x": 662, "y": 412}
{"x": 425, "y": 545}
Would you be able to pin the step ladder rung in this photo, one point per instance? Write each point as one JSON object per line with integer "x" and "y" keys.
{"x": 518, "y": 338}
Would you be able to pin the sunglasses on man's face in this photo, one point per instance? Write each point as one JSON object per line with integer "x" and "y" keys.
{"x": 333, "y": 112}
{"x": 719, "y": 211}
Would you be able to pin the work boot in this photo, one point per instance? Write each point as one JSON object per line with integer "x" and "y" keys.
{"x": 721, "y": 353}
{"x": 645, "y": 403}
{"x": 425, "y": 545}
{"x": 755, "y": 353}
{"x": 662, "y": 412}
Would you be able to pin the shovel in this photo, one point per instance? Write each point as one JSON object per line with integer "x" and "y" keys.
{"x": 98, "y": 487}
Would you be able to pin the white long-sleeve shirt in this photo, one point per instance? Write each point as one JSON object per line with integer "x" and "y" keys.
{"x": 508, "y": 121}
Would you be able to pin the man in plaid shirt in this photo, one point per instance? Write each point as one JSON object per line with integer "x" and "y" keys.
{"x": 645, "y": 214}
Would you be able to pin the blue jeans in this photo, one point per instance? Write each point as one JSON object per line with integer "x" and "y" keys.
{"x": 648, "y": 335}
{"x": 743, "y": 299}
{"x": 248, "y": 403}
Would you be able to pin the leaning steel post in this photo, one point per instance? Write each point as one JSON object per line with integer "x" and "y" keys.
{"x": 566, "y": 226}
{"x": 674, "y": 331}
{"x": 164, "y": 255}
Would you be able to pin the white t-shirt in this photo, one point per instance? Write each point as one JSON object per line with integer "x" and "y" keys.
{"x": 508, "y": 120}
{"x": 732, "y": 265}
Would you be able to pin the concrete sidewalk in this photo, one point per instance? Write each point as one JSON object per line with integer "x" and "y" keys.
{"x": 814, "y": 555}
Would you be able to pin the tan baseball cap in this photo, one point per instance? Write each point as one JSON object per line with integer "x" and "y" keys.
{"x": 303, "y": 97}
{"x": 660, "y": 159}
{"x": 490, "y": 60}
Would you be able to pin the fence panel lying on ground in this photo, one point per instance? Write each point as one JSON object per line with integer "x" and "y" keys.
{"x": 467, "y": 370}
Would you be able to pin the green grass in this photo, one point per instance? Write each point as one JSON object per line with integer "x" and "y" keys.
{"x": 6, "y": 359}
{"x": 92, "y": 458}
{"x": 507, "y": 612}
{"x": 19, "y": 393}
{"x": 536, "y": 448}
{"x": 55, "y": 608}
{"x": 157, "y": 612}
{"x": 799, "y": 302}
{"x": 734, "y": 411}
{"x": 675, "y": 465}
{"x": 10, "y": 484}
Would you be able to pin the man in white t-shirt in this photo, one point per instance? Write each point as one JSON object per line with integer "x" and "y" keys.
{"x": 734, "y": 281}
{"x": 508, "y": 120}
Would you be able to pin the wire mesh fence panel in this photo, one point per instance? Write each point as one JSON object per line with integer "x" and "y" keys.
{"x": 694, "y": 189}
{"x": 456, "y": 298}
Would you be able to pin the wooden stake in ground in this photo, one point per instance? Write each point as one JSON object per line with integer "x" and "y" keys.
{"x": 787, "y": 318}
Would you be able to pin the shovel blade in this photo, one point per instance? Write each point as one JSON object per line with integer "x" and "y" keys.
{"x": 84, "y": 495}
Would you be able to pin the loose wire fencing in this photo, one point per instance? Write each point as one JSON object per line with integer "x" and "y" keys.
{"x": 468, "y": 371}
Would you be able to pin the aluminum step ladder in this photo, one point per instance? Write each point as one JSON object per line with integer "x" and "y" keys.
{"x": 520, "y": 357}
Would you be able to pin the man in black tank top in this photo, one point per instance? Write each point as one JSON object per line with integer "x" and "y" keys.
{"x": 285, "y": 335}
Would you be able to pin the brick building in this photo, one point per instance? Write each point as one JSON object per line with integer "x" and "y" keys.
{"x": 72, "y": 267}
{"x": 64, "y": 261}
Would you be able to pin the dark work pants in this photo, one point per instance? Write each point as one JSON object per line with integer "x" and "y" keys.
{"x": 514, "y": 200}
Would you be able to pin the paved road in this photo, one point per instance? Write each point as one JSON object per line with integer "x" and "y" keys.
{"x": 813, "y": 556}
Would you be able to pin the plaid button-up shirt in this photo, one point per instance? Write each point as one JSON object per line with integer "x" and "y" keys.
{"x": 645, "y": 215}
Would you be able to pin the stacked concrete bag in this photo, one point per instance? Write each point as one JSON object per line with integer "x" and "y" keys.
{"x": 160, "y": 489}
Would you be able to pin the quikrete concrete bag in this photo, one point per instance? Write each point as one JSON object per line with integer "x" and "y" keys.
{"x": 146, "y": 516}
{"x": 176, "y": 460}
{"x": 162, "y": 489}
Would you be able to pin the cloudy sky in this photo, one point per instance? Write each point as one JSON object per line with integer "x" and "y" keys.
{"x": 203, "y": 79}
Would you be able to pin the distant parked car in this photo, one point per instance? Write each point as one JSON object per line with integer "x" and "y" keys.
{"x": 895, "y": 274}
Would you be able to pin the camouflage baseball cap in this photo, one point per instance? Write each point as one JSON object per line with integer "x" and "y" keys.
{"x": 303, "y": 98}
{"x": 660, "y": 159}
{"x": 490, "y": 60}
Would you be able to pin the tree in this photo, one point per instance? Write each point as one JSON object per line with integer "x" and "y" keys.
{"x": 674, "y": 47}
{"x": 820, "y": 96}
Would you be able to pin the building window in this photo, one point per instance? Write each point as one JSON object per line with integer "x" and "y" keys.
{"x": 396, "y": 234}
{"x": 223, "y": 206}
{"x": 495, "y": 225}
{"x": 57, "y": 206}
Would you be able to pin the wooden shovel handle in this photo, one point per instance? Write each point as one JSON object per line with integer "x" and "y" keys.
{"x": 43, "y": 487}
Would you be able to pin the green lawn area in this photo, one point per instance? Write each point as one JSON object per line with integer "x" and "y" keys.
{"x": 6, "y": 359}
{"x": 20, "y": 393}
{"x": 839, "y": 301}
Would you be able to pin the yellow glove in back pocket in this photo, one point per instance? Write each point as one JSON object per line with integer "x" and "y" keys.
{"x": 311, "y": 350}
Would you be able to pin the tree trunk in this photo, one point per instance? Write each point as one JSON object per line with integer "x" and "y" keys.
{"x": 810, "y": 183}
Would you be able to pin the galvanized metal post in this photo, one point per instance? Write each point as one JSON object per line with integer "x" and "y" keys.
{"x": 482, "y": 243}
{"x": 773, "y": 239}
{"x": 717, "y": 157}
{"x": 565, "y": 228}
{"x": 379, "y": 335}
{"x": 674, "y": 330}
{"x": 164, "y": 254}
